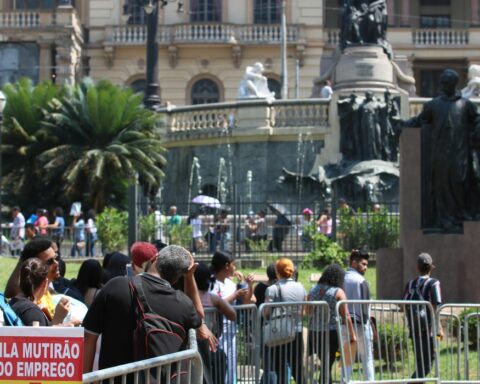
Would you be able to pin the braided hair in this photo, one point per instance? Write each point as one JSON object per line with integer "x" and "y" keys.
{"x": 33, "y": 273}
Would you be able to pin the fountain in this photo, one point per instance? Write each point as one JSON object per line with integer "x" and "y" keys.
{"x": 194, "y": 171}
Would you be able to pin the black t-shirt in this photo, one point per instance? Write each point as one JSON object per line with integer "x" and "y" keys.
{"x": 28, "y": 311}
{"x": 112, "y": 315}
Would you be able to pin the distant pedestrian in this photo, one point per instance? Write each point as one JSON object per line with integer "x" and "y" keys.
{"x": 17, "y": 234}
{"x": 326, "y": 91}
{"x": 58, "y": 228}
{"x": 91, "y": 232}
{"x": 324, "y": 223}
{"x": 419, "y": 319}
{"x": 78, "y": 225}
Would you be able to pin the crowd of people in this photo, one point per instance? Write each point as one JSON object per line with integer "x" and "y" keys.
{"x": 109, "y": 300}
{"x": 84, "y": 230}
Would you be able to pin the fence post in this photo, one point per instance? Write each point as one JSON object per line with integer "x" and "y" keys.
{"x": 132, "y": 215}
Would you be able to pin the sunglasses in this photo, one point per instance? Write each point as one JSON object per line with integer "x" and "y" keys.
{"x": 52, "y": 260}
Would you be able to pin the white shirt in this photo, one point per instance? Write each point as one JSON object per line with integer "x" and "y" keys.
{"x": 326, "y": 92}
{"x": 18, "y": 228}
{"x": 196, "y": 224}
{"x": 225, "y": 289}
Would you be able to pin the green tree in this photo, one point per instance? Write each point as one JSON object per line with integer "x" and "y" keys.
{"x": 24, "y": 138}
{"x": 102, "y": 138}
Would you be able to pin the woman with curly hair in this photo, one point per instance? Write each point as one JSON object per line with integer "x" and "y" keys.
{"x": 329, "y": 289}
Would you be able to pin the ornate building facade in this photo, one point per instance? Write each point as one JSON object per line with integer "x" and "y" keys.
{"x": 204, "y": 49}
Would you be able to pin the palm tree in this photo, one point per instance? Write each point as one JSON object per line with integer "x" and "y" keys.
{"x": 102, "y": 139}
{"x": 24, "y": 138}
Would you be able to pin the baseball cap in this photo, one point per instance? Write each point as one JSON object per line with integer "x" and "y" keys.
{"x": 307, "y": 211}
{"x": 142, "y": 252}
{"x": 424, "y": 259}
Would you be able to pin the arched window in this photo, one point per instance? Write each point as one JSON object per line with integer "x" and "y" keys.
{"x": 267, "y": 11}
{"x": 275, "y": 86}
{"x": 206, "y": 11}
{"x": 205, "y": 91}
{"x": 139, "y": 85}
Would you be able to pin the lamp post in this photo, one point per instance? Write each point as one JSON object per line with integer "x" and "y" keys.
{"x": 3, "y": 102}
{"x": 283, "y": 49}
{"x": 151, "y": 7}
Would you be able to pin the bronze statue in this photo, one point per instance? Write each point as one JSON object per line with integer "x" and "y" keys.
{"x": 450, "y": 142}
{"x": 365, "y": 22}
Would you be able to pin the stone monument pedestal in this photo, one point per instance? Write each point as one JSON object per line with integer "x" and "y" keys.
{"x": 454, "y": 255}
{"x": 365, "y": 66}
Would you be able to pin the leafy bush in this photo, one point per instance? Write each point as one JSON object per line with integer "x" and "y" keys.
{"x": 325, "y": 252}
{"x": 473, "y": 326}
{"x": 180, "y": 234}
{"x": 146, "y": 227}
{"x": 368, "y": 230}
{"x": 112, "y": 227}
{"x": 392, "y": 341}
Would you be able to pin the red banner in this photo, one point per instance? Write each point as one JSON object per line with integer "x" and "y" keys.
{"x": 40, "y": 355}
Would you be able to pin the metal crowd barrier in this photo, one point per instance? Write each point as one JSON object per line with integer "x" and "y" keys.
{"x": 460, "y": 361}
{"x": 302, "y": 347}
{"x": 158, "y": 370}
{"x": 395, "y": 343}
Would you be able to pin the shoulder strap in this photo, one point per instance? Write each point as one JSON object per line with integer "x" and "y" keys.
{"x": 138, "y": 294}
{"x": 279, "y": 291}
{"x": 420, "y": 288}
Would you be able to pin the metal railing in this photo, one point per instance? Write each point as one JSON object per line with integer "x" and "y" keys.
{"x": 382, "y": 352}
{"x": 244, "y": 233}
{"x": 248, "y": 354}
{"x": 459, "y": 358}
{"x": 158, "y": 369}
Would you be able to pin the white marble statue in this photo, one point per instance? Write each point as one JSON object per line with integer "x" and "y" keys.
{"x": 254, "y": 84}
{"x": 473, "y": 87}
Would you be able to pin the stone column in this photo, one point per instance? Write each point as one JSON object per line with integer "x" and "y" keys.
{"x": 474, "y": 10}
{"x": 405, "y": 13}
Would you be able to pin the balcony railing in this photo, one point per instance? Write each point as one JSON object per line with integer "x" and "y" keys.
{"x": 204, "y": 33}
{"x": 440, "y": 37}
{"x": 25, "y": 19}
{"x": 216, "y": 119}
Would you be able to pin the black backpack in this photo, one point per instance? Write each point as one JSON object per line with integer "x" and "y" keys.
{"x": 418, "y": 316}
{"x": 154, "y": 335}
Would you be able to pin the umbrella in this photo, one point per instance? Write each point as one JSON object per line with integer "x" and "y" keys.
{"x": 279, "y": 209}
{"x": 207, "y": 201}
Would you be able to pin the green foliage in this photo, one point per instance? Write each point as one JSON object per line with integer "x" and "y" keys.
{"x": 325, "y": 252}
{"x": 392, "y": 342}
{"x": 368, "y": 230}
{"x": 146, "y": 227}
{"x": 180, "y": 234}
{"x": 112, "y": 226}
{"x": 85, "y": 143}
{"x": 473, "y": 326}
{"x": 23, "y": 139}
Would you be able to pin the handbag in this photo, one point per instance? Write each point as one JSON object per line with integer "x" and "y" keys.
{"x": 280, "y": 329}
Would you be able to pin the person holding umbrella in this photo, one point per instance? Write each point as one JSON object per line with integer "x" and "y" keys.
{"x": 281, "y": 227}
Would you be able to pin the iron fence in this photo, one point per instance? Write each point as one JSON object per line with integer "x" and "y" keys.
{"x": 255, "y": 229}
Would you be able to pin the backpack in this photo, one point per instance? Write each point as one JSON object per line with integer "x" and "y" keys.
{"x": 153, "y": 334}
{"x": 9, "y": 316}
{"x": 418, "y": 315}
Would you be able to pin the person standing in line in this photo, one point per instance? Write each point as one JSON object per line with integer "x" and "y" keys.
{"x": 224, "y": 269}
{"x": 329, "y": 289}
{"x": 91, "y": 230}
{"x": 17, "y": 234}
{"x": 262, "y": 229}
{"x": 356, "y": 288}
{"x": 78, "y": 225}
{"x": 58, "y": 228}
{"x": 419, "y": 320}
{"x": 261, "y": 287}
{"x": 279, "y": 360}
